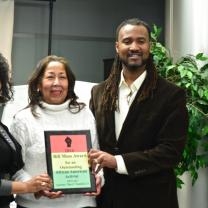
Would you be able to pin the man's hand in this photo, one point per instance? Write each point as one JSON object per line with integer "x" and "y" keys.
{"x": 99, "y": 159}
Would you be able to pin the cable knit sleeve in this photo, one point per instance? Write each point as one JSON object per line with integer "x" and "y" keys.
{"x": 95, "y": 144}
{"x": 20, "y": 132}
{"x": 93, "y": 131}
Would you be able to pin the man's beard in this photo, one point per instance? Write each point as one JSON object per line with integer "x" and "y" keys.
{"x": 134, "y": 66}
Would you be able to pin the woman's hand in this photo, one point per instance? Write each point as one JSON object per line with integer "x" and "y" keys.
{"x": 49, "y": 194}
{"x": 35, "y": 184}
{"x": 98, "y": 187}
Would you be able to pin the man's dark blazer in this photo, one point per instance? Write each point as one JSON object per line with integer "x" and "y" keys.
{"x": 151, "y": 143}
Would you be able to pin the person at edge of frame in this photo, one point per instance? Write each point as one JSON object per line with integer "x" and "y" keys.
{"x": 10, "y": 151}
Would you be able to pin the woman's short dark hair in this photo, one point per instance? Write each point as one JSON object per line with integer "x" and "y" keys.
{"x": 6, "y": 92}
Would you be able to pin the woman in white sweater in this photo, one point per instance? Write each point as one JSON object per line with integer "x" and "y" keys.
{"x": 52, "y": 105}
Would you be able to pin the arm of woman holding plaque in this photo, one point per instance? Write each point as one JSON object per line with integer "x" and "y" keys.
{"x": 10, "y": 152}
{"x": 53, "y": 107}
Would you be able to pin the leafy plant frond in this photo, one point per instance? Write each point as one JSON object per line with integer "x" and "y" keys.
{"x": 191, "y": 73}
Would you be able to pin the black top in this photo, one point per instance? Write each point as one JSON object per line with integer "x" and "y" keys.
{"x": 10, "y": 160}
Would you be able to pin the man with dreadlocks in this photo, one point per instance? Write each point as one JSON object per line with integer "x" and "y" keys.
{"x": 142, "y": 126}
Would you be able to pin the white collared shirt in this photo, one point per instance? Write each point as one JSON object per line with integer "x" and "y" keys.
{"x": 125, "y": 98}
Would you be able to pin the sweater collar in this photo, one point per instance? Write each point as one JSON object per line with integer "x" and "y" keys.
{"x": 59, "y": 107}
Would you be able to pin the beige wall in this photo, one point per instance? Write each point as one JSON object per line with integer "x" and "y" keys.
{"x": 186, "y": 27}
{"x": 6, "y": 27}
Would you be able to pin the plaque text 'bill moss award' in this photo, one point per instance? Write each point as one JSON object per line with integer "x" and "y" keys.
{"x": 67, "y": 161}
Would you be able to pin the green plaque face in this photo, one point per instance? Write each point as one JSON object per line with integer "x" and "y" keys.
{"x": 67, "y": 161}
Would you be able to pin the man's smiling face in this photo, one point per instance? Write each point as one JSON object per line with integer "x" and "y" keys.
{"x": 133, "y": 46}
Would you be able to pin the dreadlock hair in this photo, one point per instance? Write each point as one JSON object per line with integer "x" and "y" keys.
{"x": 110, "y": 94}
{"x": 35, "y": 96}
{"x": 6, "y": 91}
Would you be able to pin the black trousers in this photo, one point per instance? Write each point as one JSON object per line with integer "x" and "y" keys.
{"x": 4, "y": 206}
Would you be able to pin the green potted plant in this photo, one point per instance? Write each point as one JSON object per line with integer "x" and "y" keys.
{"x": 191, "y": 73}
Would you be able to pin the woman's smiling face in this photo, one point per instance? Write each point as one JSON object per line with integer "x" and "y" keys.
{"x": 54, "y": 84}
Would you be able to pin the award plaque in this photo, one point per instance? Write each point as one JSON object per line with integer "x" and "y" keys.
{"x": 67, "y": 161}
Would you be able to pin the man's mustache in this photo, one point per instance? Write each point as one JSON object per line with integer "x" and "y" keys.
{"x": 130, "y": 54}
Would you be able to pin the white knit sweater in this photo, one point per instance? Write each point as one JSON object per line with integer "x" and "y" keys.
{"x": 29, "y": 131}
